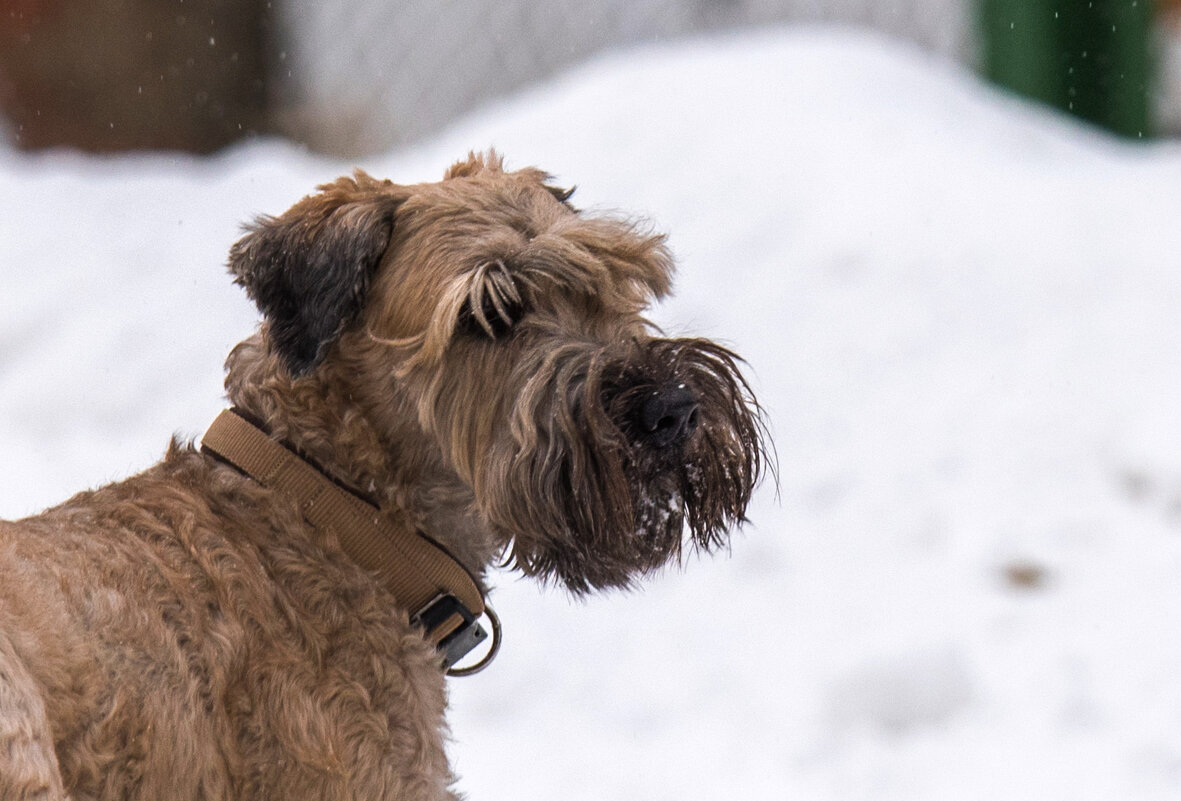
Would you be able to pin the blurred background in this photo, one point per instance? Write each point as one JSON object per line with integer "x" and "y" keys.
{"x": 943, "y": 234}
{"x": 357, "y": 77}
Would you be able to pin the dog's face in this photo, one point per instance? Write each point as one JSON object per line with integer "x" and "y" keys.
{"x": 508, "y": 327}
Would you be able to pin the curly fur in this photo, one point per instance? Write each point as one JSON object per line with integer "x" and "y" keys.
{"x": 473, "y": 354}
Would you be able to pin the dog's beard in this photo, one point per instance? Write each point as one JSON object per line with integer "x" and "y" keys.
{"x": 587, "y": 499}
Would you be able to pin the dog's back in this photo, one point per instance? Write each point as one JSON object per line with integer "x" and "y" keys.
{"x": 161, "y": 639}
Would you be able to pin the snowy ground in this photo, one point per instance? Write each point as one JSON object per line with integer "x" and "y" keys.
{"x": 963, "y": 317}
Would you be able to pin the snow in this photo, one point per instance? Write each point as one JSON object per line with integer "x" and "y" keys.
{"x": 961, "y": 315}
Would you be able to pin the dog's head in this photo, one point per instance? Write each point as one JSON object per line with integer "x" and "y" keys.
{"x": 484, "y": 324}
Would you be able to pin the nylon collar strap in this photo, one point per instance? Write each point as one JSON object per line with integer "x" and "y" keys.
{"x": 442, "y": 597}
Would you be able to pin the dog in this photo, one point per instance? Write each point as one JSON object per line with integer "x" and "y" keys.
{"x": 447, "y": 376}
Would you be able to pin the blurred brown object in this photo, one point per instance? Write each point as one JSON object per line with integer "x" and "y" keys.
{"x": 1025, "y": 575}
{"x": 106, "y": 75}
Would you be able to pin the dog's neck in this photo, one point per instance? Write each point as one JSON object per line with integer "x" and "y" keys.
{"x": 334, "y": 433}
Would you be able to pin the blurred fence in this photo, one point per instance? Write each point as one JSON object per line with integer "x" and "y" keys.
{"x": 359, "y": 76}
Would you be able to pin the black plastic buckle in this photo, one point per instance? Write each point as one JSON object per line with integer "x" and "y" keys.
{"x": 456, "y": 645}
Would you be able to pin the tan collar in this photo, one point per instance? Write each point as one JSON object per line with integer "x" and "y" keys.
{"x": 426, "y": 580}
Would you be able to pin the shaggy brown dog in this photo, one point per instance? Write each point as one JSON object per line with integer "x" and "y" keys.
{"x": 470, "y": 354}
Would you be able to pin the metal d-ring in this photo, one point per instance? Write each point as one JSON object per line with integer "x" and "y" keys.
{"x": 486, "y": 660}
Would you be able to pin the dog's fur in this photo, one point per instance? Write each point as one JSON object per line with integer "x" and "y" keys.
{"x": 472, "y": 354}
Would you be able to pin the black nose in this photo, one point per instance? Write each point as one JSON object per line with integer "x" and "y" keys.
{"x": 668, "y": 416}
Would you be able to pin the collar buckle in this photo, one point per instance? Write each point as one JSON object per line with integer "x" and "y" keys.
{"x": 441, "y": 613}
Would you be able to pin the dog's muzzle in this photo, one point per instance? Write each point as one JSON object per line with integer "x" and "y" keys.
{"x": 668, "y": 416}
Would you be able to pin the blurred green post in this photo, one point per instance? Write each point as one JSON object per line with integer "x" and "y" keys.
{"x": 1090, "y": 58}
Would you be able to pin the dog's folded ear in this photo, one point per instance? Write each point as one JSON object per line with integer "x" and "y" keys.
{"x": 308, "y": 270}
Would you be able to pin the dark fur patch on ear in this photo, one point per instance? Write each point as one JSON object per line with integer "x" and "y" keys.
{"x": 308, "y": 270}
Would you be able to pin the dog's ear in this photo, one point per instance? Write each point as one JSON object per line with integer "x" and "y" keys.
{"x": 308, "y": 270}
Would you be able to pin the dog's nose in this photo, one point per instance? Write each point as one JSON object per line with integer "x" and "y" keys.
{"x": 668, "y": 416}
